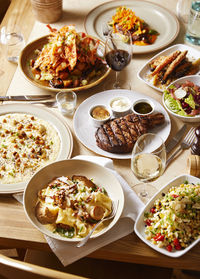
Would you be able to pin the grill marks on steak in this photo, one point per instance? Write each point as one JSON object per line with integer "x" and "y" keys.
{"x": 119, "y": 135}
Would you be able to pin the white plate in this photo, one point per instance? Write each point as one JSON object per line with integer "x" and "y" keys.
{"x": 196, "y": 80}
{"x": 156, "y": 16}
{"x": 101, "y": 176}
{"x": 85, "y": 131}
{"x": 193, "y": 54}
{"x": 140, "y": 225}
{"x": 45, "y": 114}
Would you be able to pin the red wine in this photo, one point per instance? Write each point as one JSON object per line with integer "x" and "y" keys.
{"x": 118, "y": 59}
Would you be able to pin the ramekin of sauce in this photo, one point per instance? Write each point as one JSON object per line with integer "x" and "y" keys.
{"x": 120, "y": 106}
{"x": 143, "y": 107}
{"x": 99, "y": 114}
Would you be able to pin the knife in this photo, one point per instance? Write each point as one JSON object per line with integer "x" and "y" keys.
{"x": 25, "y": 98}
{"x": 173, "y": 142}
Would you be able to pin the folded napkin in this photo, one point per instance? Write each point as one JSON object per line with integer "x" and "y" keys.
{"x": 67, "y": 252}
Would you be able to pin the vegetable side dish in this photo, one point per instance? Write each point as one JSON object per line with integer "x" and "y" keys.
{"x": 71, "y": 207}
{"x": 183, "y": 99}
{"x": 174, "y": 220}
{"x": 125, "y": 21}
{"x": 68, "y": 60}
{"x": 165, "y": 69}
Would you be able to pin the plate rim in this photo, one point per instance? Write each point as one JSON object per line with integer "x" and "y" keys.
{"x": 157, "y": 55}
{"x": 21, "y": 185}
{"x": 41, "y": 86}
{"x": 149, "y": 3}
{"x": 163, "y": 251}
{"x": 48, "y": 233}
{"x": 109, "y": 154}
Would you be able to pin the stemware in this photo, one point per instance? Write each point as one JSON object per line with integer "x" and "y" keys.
{"x": 148, "y": 163}
{"x": 118, "y": 54}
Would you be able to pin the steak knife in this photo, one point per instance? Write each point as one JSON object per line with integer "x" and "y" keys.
{"x": 174, "y": 141}
{"x": 25, "y": 98}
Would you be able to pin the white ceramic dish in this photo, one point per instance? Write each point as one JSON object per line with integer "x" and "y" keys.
{"x": 193, "y": 54}
{"x": 140, "y": 225}
{"x": 147, "y": 101}
{"x": 86, "y": 132}
{"x": 156, "y": 16}
{"x": 101, "y": 176}
{"x": 196, "y": 80}
{"x": 61, "y": 128}
{"x": 98, "y": 122}
{"x": 120, "y": 106}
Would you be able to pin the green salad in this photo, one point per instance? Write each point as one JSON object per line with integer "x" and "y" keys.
{"x": 183, "y": 99}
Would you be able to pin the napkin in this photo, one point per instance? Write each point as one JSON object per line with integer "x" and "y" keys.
{"x": 67, "y": 252}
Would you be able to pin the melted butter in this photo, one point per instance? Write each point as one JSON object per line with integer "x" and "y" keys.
{"x": 100, "y": 113}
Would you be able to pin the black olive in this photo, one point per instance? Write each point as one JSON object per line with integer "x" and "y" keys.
{"x": 56, "y": 83}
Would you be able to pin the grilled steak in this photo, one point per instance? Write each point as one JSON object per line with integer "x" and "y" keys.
{"x": 119, "y": 135}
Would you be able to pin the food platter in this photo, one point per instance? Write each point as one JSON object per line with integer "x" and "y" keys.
{"x": 85, "y": 131}
{"x": 101, "y": 176}
{"x": 156, "y": 16}
{"x": 28, "y": 53}
{"x": 140, "y": 225}
{"x": 193, "y": 54}
{"x": 63, "y": 131}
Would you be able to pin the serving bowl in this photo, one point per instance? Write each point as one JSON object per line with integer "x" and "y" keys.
{"x": 29, "y": 53}
{"x": 196, "y": 80}
{"x": 101, "y": 176}
{"x": 140, "y": 224}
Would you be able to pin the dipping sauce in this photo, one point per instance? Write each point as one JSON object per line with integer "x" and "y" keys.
{"x": 143, "y": 108}
{"x": 100, "y": 113}
{"x": 120, "y": 104}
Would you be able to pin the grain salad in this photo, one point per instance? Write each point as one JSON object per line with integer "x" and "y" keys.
{"x": 173, "y": 222}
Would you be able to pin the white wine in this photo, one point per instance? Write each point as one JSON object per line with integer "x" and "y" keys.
{"x": 147, "y": 167}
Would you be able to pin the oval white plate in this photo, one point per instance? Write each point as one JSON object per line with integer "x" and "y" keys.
{"x": 85, "y": 131}
{"x": 140, "y": 225}
{"x": 191, "y": 119}
{"x": 101, "y": 176}
{"x": 193, "y": 54}
{"x": 45, "y": 114}
{"x": 156, "y": 16}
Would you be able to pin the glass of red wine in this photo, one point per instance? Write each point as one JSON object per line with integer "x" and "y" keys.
{"x": 118, "y": 54}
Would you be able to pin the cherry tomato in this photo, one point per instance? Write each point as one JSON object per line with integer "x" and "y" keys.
{"x": 148, "y": 222}
{"x": 152, "y": 210}
{"x": 169, "y": 247}
{"x": 159, "y": 237}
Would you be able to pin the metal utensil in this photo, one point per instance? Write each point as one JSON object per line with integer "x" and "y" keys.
{"x": 174, "y": 141}
{"x": 112, "y": 215}
{"x": 25, "y": 98}
{"x": 51, "y": 104}
{"x": 185, "y": 144}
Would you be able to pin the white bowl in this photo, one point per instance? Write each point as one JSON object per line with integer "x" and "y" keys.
{"x": 101, "y": 176}
{"x": 196, "y": 80}
{"x": 99, "y": 122}
{"x": 140, "y": 225}
{"x": 120, "y": 106}
{"x": 143, "y": 100}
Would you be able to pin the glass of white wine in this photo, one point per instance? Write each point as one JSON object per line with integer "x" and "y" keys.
{"x": 148, "y": 164}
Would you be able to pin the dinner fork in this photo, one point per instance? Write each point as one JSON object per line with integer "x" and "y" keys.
{"x": 185, "y": 144}
{"x": 112, "y": 215}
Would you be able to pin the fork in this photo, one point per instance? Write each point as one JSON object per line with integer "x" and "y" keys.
{"x": 112, "y": 215}
{"x": 185, "y": 144}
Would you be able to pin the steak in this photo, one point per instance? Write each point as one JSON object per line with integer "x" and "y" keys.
{"x": 120, "y": 134}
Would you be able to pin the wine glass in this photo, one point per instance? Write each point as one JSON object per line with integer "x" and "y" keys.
{"x": 118, "y": 54}
{"x": 148, "y": 163}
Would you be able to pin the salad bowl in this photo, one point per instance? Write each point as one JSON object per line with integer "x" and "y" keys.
{"x": 178, "y": 102}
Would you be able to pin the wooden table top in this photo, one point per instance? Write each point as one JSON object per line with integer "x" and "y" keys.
{"x": 16, "y": 230}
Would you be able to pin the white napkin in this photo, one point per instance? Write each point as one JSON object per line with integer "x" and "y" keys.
{"x": 68, "y": 253}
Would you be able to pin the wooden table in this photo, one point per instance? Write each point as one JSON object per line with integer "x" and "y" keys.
{"x": 16, "y": 231}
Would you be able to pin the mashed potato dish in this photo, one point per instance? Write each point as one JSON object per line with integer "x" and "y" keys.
{"x": 72, "y": 206}
{"x": 27, "y": 143}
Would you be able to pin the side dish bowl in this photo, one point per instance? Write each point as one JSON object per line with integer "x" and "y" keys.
{"x": 140, "y": 224}
{"x": 28, "y": 53}
{"x": 101, "y": 176}
{"x": 194, "y": 79}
